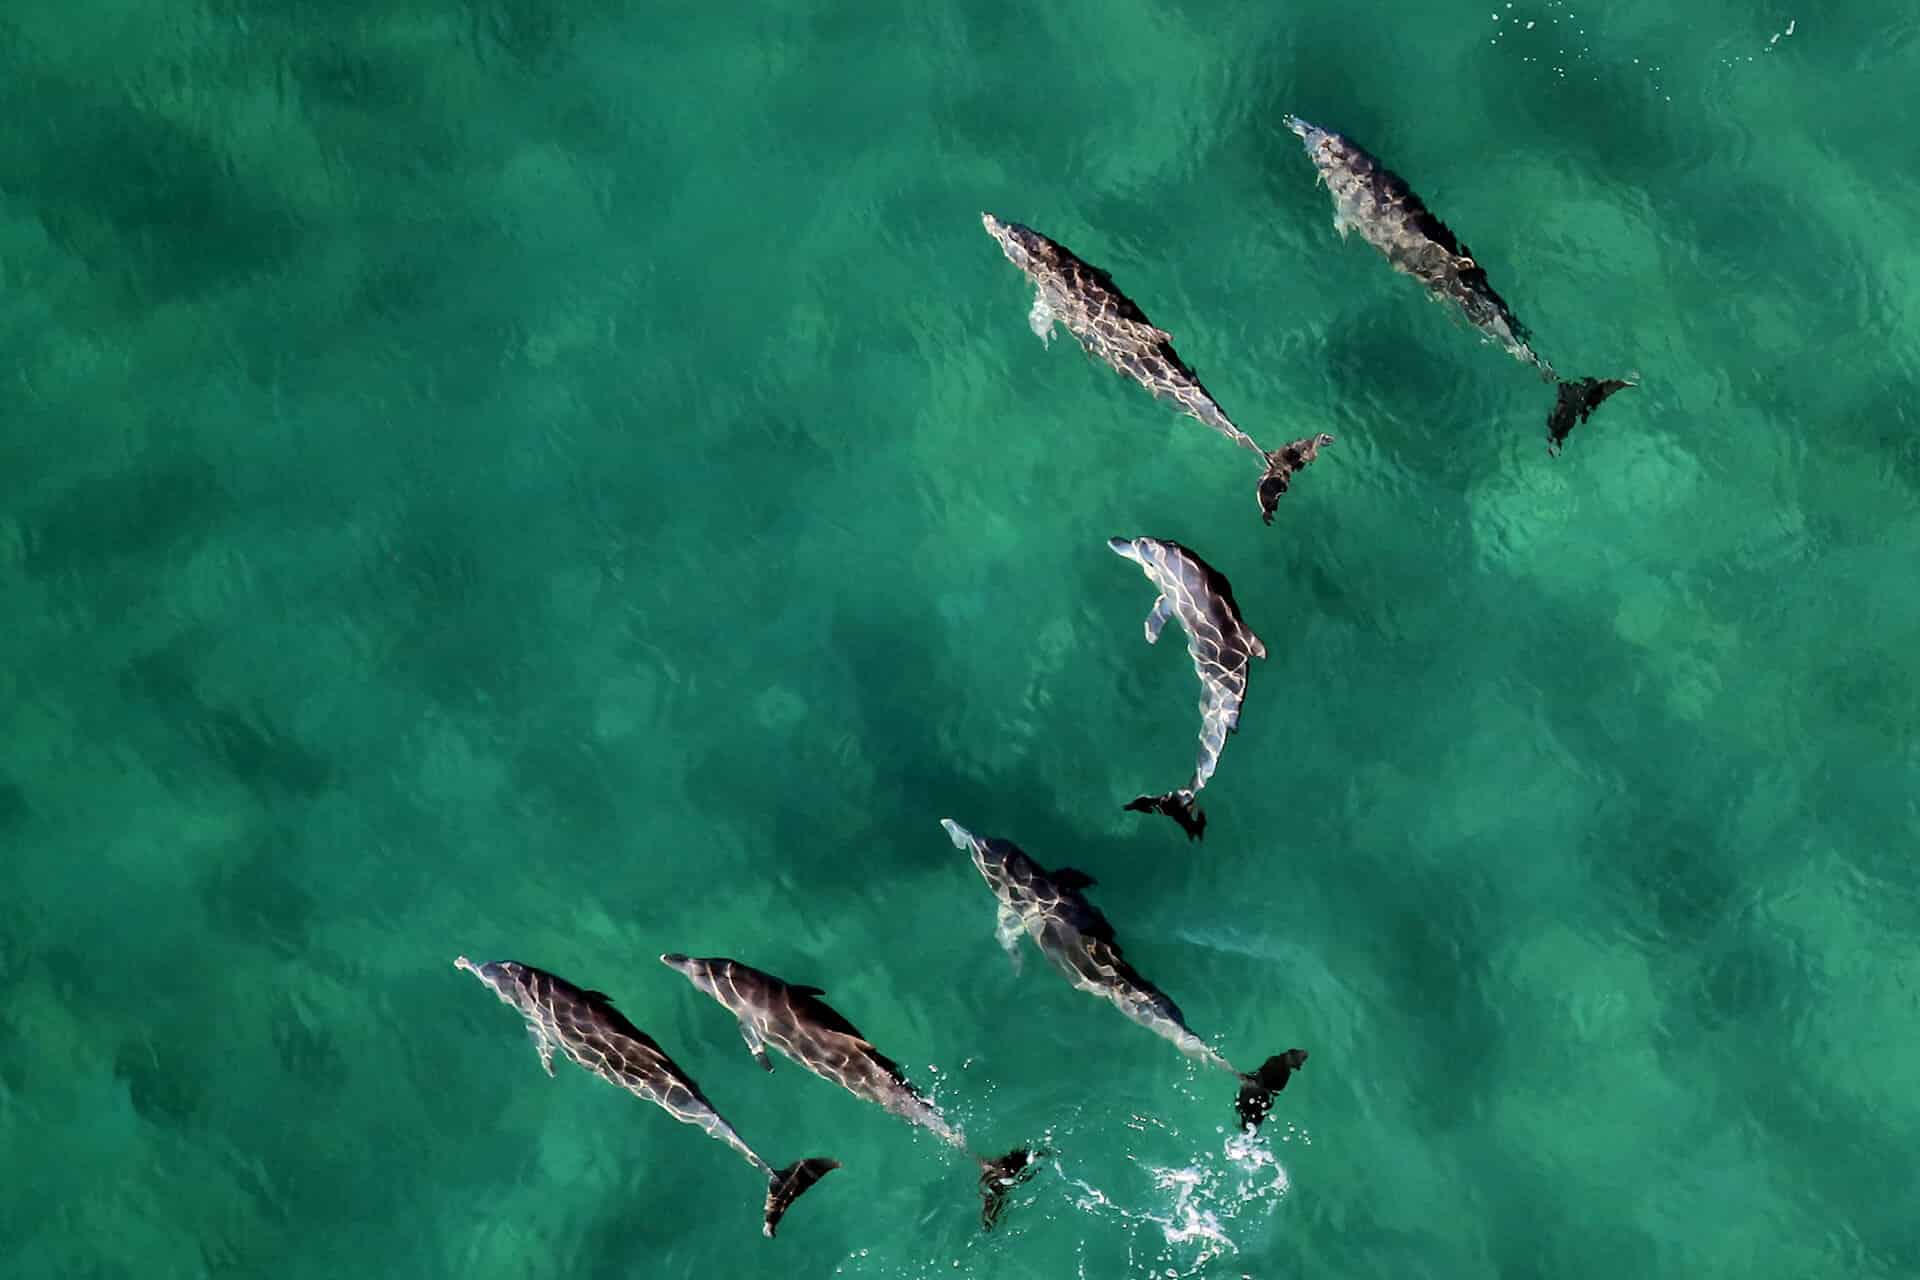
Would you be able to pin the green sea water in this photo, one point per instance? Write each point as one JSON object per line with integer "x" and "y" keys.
{"x": 571, "y": 481}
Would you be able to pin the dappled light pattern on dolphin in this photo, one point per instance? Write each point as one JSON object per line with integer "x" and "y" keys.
{"x": 1221, "y": 645}
{"x": 1077, "y": 940}
{"x": 805, "y": 1028}
{"x": 1378, "y": 203}
{"x": 1111, "y": 327}
{"x": 1372, "y": 199}
{"x": 586, "y": 1027}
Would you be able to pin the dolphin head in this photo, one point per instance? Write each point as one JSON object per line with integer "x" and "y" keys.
{"x": 989, "y": 856}
{"x": 507, "y": 979}
{"x": 1320, "y": 143}
{"x": 984, "y": 855}
{"x": 1019, "y": 243}
{"x": 999, "y": 231}
{"x": 495, "y": 973}
{"x": 1124, "y": 547}
{"x": 698, "y": 972}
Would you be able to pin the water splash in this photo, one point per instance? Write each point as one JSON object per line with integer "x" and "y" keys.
{"x": 1560, "y": 27}
{"x": 1193, "y": 1208}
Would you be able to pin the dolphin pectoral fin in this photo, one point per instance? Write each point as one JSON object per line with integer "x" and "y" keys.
{"x": 756, "y": 1044}
{"x": 1157, "y": 618}
{"x": 1040, "y": 319}
{"x": 543, "y": 1045}
{"x": 1007, "y": 931}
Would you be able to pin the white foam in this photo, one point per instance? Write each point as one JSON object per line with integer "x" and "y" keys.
{"x": 1193, "y": 1208}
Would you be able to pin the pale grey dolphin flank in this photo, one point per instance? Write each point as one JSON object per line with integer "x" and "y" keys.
{"x": 1110, "y": 326}
{"x": 794, "y": 1020}
{"x": 1048, "y": 907}
{"x": 1370, "y": 198}
{"x": 586, "y": 1027}
{"x": 1221, "y": 645}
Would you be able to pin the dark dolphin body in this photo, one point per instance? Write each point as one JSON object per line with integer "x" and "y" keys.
{"x": 587, "y": 1028}
{"x": 805, "y": 1028}
{"x": 1048, "y": 907}
{"x": 1108, "y": 325}
{"x": 1378, "y": 203}
{"x": 1221, "y": 646}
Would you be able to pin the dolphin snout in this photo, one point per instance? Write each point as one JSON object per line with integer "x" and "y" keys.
{"x": 1121, "y": 547}
{"x": 674, "y": 960}
{"x": 961, "y": 837}
{"x": 1297, "y": 125}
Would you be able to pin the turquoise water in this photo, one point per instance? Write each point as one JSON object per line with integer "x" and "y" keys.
{"x": 571, "y": 482}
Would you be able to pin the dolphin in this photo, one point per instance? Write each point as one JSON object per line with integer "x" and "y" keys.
{"x": 1048, "y": 907}
{"x": 1108, "y": 324}
{"x": 1221, "y": 646}
{"x": 586, "y": 1027}
{"x": 794, "y": 1020}
{"x": 1377, "y": 202}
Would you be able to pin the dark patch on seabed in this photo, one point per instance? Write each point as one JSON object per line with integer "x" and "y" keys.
{"x": 1440, "y": 966}
{"x": 135, "y": 512}
{"x": 163, "y": 1093}
{"x": 308, "y": 1053}
{"x": 163, "y": 676}
{"x": 1657, "y": 856}
{"x": 176, "y": 220}
{"x": 255, "y": 900}
{"x": 15, "y": 1054}
{"x": 247, "y": 746}
{"x": 1751, "y": 978}
{"x": 570, "y": 782}
{"x": 13, "y": 806}
{"x": 335, "y": 70}
{"x": 259, "y": 755}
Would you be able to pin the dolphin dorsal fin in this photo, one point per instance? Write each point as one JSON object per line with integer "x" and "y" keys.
{"x": 1072, "y": 878}
{"x": 806, "y": 991}
{"x": 596, "y": 997}
{"x": 1098, "y": 926}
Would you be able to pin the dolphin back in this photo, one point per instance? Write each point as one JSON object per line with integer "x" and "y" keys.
{"x": 1372, "y": 199}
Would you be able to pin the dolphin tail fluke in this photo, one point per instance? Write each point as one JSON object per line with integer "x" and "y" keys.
{"x": 1281, "y": 464}
{"x": 785, "y": 1185}
{"x": 998, "y": 1177}
{"x": 1257, "y": 1090}
{"x": 1575, "y": 400}
{"x": 1177, "y": 805}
